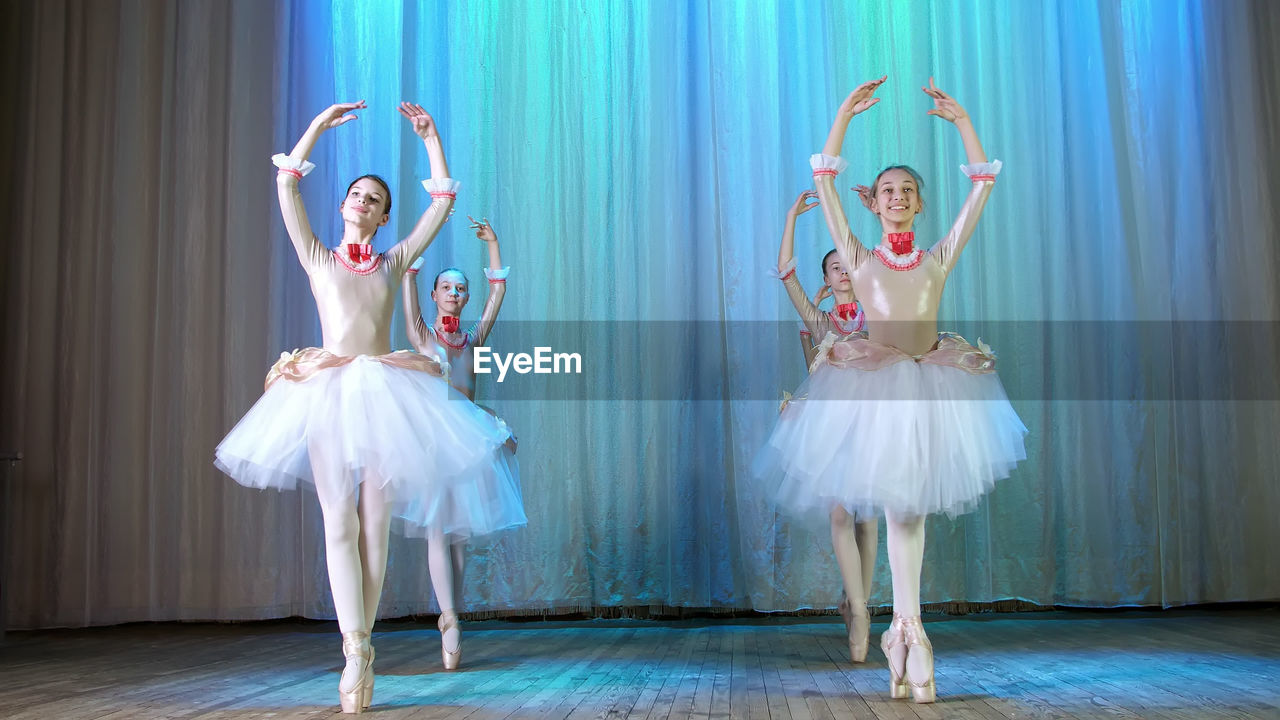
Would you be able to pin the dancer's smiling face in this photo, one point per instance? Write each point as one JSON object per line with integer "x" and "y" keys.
{"x": 451, "y": 292}
{"x": 833, "y": 273}
{"x": 897, "y": 195}
{"x": 367, "y": 204}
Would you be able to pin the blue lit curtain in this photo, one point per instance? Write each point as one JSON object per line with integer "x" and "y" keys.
{"x": 637, "y": 159}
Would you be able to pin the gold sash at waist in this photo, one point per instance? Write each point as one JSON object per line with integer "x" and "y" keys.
{"x": 301, "y": 365}
{"x": 858, "y": 352}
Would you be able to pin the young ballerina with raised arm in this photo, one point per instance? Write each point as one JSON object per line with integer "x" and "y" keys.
{"x": 922, "y": 424}
{"x": 500, "y": 506}
{"x": 854, "y": 540}
{"x": 375, "y": 432}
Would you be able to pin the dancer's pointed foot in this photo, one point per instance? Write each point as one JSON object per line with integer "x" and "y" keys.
{"x": 450, "y": 639}
{"x": 857, "y": 626}
{"x": 355, "y": 688}
{"x": 895, "y": 652}
{"x": 910, "y": 656}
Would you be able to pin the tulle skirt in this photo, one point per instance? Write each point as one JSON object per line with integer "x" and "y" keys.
{"x": 441, "y": 461}
{"x": 873, "y": 429}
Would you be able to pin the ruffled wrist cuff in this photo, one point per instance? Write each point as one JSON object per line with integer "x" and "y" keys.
{"x": 286, "y": 162}
{"x": 497, "y": 275}
{"x": 827, "y": 165}
{"x": 417, "y": 265}
{"x": 983, "y": 171}
{"x": 442, "y": 187}
{"x": 783, "y": 272}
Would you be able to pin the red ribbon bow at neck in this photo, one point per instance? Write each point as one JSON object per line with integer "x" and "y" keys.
{"x": 847, "y": 311}
{"x": 449, "y": 323}
{"x": 901, "y": 243}
{"x": 359, "y": 252}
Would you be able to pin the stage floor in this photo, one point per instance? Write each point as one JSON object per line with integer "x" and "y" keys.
{"x": 1178, "y": 664}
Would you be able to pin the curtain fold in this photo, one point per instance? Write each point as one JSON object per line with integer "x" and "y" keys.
{"x": 637, "y": 160}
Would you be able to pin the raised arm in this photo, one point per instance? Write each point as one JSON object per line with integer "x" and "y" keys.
{"x": 829, "y": 164}
{"x": 497, "y": 276}
{"x": 414, "y": 326}
{"x": 980, "y": 172}
{"x": 292, "y": 167}
{"x": 443, "y": 190}
{"x": 786, "y": 272}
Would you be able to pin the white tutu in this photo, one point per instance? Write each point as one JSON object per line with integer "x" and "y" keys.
{"x": 914, "y": 437}
{"x": 441, "y": 460}
{"x": 492, "y": 501}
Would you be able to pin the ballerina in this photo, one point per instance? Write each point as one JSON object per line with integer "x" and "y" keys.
{"x": 905, "y": 419}
{"x": 501, "y": 506}
{"x": 374, "y": 432}
{"x": 854, "y": 539}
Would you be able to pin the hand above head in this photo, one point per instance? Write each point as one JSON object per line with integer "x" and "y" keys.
{"x": 864, "y": 194}
{"x": 337, "y": 114}
{"x": 483, "y": 229}
{"x": 944, "y": 106}
{"x": 861, "y": 99}
{"x": 802, "y": 204}
{"x": 423, "y": 125}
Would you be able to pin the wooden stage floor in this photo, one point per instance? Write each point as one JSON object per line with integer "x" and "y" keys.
{"x": 1176, "y": 664}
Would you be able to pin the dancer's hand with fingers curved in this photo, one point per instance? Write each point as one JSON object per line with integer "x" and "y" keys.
{"x": 864, "y": 194}
{"x": 423, "y": 124}
{"x": 802, "y": 204}
{"x": 823, "y": 293}
{"x": 484, "y": 230}
{"x": 944, "y": 106}
{"x": 861, "y": 99}
{"x": 337, "y": 114}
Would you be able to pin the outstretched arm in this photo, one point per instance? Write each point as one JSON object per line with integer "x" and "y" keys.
{"x": 414, "y": 326}
{"x": 980, "y": 172}
{"x": 497, "y": 276}
{"x": 808, "y": 311}
{"x": 293, "y": 166}
{"x": 829, "y": 164}
{"x": 443, "y": 190}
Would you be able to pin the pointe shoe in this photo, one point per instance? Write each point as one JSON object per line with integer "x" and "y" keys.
{"x": 449, "y": 621}
{"x": 924, "y": 691}
{"x": 895, "y": 652}
{"x": 906, "y": 634}
{"x": 366, "y": 688}
{"x": 858, "y": 628}
{"x": 358, "y": 652}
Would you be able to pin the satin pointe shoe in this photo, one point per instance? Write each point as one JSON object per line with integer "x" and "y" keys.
{"x": 452, "y": 658}
{"x": 924, "y": 690}
{"x": 857, "y": 625}
{"x": 894, "y": 647}
{"x": 355, "y": 689}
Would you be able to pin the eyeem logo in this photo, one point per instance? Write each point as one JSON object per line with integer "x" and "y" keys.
{"x": 541, "y": 362}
